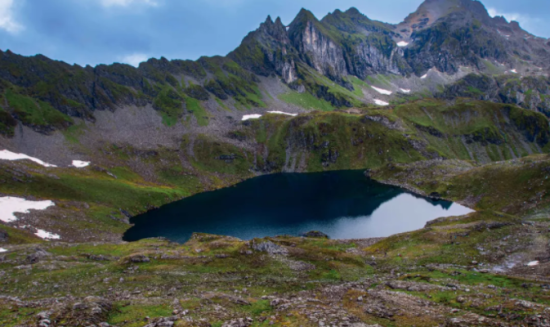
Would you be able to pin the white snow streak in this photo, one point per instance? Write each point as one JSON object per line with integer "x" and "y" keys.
{"x": 253, "y": 116}
{"x": 513, "y": 71}
{"x": 382, "y": 91}
{"x": 3, "y": 250}
{"x": 533, "y": 263}
{"x": 80, "y": 164}
{"x": 8, "y": 155}
{"x": 424, "y": 76}
{"x": 9, "y": 205}
{"x": 380, "y": 102}
{"x": 405, "y": 90}
{"x": 282, "y": 113}
{"x": 402, "y": 44}
{"x": 46, "y": 235}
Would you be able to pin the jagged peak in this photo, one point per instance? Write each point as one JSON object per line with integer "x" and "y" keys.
{"x": 500, "y": 19}
{"x": 440, "y": 8}
{"x": 271, "y": 27}
{"x": 278, "y": 21}
{"x": 305, "y": 14}
{"x": 430, "y": 11}
{"x": 267, "y": 30}
{"x": 353, "y": 11}
{"x": 515, "y": 25}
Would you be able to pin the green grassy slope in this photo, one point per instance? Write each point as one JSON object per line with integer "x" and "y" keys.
{"x": 317, "y": 141}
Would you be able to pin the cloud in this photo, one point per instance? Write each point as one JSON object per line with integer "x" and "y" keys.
{"x": 7, "y": 21}
{"x": 509, "y": 16}
{"x": 134, "y": 59}
{"x": 125, "y": 3}
{"x": 527, "y": 22}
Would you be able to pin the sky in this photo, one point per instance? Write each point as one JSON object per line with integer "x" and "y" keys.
{"x": 91, "y": 32}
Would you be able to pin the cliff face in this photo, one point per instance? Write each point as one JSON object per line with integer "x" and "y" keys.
{"x": 368, "y": 46}
{"x": 268, "y": 50}
{"x": 316, "y": 47}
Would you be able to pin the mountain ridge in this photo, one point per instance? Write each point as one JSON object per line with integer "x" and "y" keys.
{"x": 340, "y": 46}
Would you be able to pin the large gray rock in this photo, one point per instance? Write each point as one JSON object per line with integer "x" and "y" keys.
{"x": 3, "y": 236}
{"x": 269, "y": 247}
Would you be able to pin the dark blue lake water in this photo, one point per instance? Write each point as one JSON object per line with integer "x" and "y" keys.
{"x": 343, "y": 205}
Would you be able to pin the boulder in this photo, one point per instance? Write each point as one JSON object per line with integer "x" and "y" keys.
{"x": 38, "y": 255}
{"x": 138, "y": 258}
{"x": 3, "y": 237}
{"x": 269, "y": 247}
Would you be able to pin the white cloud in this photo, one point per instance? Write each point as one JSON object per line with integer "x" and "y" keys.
{"x": 125, "y": 3}
{"x": 527, "y": 22}
{"x": 7, "y": 21}
{"x": 134, "y": 59}
{"x": 509, "y": 16}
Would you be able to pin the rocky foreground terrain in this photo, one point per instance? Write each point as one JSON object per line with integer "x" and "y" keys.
{"x": 489, "y": 268}
{"x": 451, "y": 103}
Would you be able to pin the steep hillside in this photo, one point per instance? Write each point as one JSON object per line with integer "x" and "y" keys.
{"x": 127, "y": 177}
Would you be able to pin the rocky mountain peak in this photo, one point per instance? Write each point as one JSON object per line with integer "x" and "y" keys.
{"x": 303, "y": 16}
{"x": 273, "y": 29}
{"x": 430, "y": 11}
{"x": 279, "y": 22}
{"x": 353, "y": 12}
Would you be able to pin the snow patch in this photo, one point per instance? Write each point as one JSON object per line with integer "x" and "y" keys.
{"x": 46, "y": 235}
{"x": 402, "y": 44}
{"x": 8, "y": 155}
{"x": 253, "y": 116}
{"x": 405, "y": 90}
{"x": 3, "y": 250}
{"x": 424, "y": 76}
{"x": 513, "y": 71}
{"x": 533, "y": 263}
{"x": 502, "y": 34}
{"x": 382, "y": 91}
{"x": 380, "y": 102}
{"x": 10, "y": 205}
{"x": 80, "y": 164}
{"x": 282, "y": 113}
